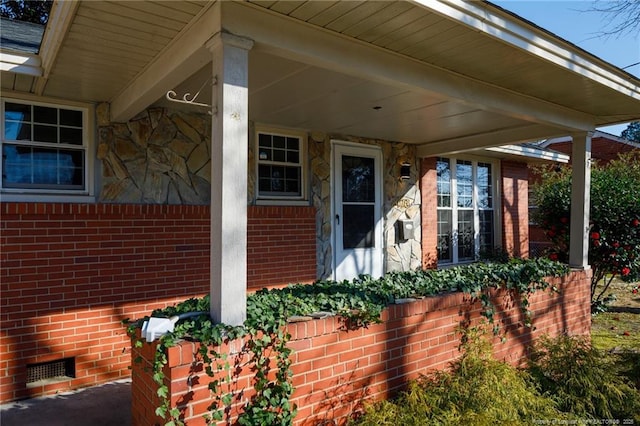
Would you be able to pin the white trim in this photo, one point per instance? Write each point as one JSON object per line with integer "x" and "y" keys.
{"x": 86, "y": 194}
{"x": 357, "y": 149}
{"x": 183, "y": 56}
{"x": 531, "y": 152}
{"x": 596, "y": 134}
{"x": 21, "y": 63}
{"x": 514, "y": 31}
{"x": 60, "y": 19}
{"x": 7, "y": 197}
{"x": 304, "y": 173}
{"x": 499, "y": 137}
{"x": 496, "y": 196}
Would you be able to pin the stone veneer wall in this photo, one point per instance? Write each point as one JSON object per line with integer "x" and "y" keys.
{"x": 401, "y": 200}
{"x": 161, "y": 156}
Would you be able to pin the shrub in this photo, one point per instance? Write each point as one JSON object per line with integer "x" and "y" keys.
{"x": 478, "y": 390}
{"x": 582, "y": 380}
{"x": 614, "y": 237}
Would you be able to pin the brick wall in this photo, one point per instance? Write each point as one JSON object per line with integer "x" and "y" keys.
{"x": 281, "y": 246}
{"x": 515, "y": 208}
{"x": 429, "y": 212}
{"x": 336, "y": 371}
{"x": 70, "y": 273}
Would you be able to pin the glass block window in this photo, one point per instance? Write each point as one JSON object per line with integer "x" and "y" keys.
{"x": 465, "y": 191}
{"x": 280, "y": 166}
{"x": 44, "y": 147}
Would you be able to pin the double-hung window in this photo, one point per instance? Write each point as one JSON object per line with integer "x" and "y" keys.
{"x": 44, "y": 148}
{"x": 466, "y": 214}
{"x": 280, "y": 161}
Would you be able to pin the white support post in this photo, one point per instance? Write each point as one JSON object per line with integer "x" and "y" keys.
{"x": 229, "y": 151}
{"x": 580, "y": 201}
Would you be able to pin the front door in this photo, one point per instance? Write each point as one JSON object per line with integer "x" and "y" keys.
{"x": 357, "y": 196}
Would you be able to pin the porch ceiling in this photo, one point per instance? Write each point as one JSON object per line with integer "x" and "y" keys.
{"x": 444, "y": 75}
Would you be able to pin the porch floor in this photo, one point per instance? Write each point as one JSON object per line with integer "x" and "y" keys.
{"x": 103, "y": 405}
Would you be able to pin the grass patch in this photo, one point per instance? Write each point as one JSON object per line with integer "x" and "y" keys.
{"x": 616, "y": 331}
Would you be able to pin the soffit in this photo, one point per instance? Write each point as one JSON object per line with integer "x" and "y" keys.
{"x": 110, "y": 44}
{"x": 417, "y": 32}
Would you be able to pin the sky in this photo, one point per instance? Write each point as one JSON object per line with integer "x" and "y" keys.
{"x": 572, "y": 21}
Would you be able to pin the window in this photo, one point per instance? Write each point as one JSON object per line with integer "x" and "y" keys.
{"x": 44, "y": 148}
{"x": 465, "y": 191}
{"x": 280, "y": 165}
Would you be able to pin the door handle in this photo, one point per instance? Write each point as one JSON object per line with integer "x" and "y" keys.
{"x": 338, "y": 219}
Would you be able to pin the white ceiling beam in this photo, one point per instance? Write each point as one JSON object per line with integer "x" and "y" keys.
{"x": 495, "y": 138}
{"x": 290, "y": 38}
{"x": 60, "y": 19}
{"x": 184, "y": 56}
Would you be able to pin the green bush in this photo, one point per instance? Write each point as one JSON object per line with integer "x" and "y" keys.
{"x": 583, "y": 380}
{"x": 478, "y": 390}
{"x": 614, "y": 237}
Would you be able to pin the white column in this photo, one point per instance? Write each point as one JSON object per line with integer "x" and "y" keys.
{"x": 229, "y": 151}
{"x": 580, "y": 200}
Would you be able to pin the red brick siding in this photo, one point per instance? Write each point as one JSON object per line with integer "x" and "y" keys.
{"x": 429, "y": 213}
{"x": 336, "y": 371}
{"x": 515, "y": 208}
{"x": 281, "y": 246}
{"x": 70, "y": 273}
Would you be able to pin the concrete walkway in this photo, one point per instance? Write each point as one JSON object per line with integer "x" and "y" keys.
{"x": 103, "y": 405}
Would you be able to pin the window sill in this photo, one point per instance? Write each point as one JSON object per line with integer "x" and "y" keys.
{"x": 46, "y": 198}
{"x": 282, "y": 202}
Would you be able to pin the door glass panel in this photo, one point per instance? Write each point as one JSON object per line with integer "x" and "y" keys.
{"x": 358, "y": 226}
{"x": 358, "y": 198}
{"x": 358, "y": 179}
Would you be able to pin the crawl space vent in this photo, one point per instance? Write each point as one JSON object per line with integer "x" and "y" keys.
{"x": 54, "y": 370}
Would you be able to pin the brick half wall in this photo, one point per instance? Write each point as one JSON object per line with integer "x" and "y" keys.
{"x": 336, "y": 371}
{"x": 70, "y": 273}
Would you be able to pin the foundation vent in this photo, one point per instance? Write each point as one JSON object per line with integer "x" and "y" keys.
{"x": 53, "y": 370}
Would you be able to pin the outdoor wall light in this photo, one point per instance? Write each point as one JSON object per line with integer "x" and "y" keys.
{"x": 405, "y": 171}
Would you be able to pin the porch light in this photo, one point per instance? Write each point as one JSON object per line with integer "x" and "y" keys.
{"x": 405, "y": 171}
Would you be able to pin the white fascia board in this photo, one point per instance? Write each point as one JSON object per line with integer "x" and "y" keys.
{"x": 21, "y": 63}
{"x": 182, "y": 57}
{"x": 60, "y": 19}
{"x": 515, "y": 32}
{"x": 290, "y": 38}
{"x": 484, "y": 140}
{"x": 596, "y": 134}
{"x": 530, "y": 152}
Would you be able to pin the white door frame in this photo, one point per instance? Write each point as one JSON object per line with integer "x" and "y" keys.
{"x": 360, "y": 260}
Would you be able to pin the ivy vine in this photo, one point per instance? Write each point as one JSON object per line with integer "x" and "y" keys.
{"x": 360, "y": 302}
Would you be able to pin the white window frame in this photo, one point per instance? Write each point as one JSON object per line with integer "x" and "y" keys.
{"x": 496, "y": 198}
{"x": 85, "y": 194}
{"x": 272, "y": 199}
